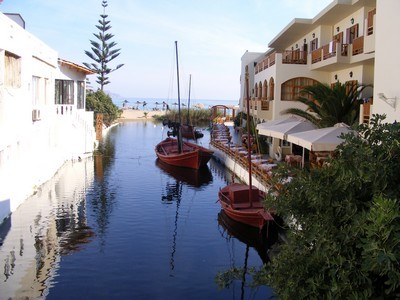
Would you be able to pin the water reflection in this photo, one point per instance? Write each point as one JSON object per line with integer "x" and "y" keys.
{"x": 173, "y": 192}
{"x": 44, "y": 228}
{"x": 102, "y": 195}
{"x": 107, "y": 228}
{"x": 252, "y": 237}
{"x": 192, "y": 177}
{"x": 261, "y": 241}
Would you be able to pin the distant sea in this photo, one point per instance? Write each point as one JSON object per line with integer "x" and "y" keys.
{"x": 151, "y": 103}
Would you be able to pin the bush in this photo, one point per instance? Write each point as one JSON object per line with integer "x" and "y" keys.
{"x": 99, "y": 102}
{"x": 196, "y": 116}
{"x": 344, "y": 235}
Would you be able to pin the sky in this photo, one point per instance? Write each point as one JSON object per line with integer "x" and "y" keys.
{"x": 212, "y": 37}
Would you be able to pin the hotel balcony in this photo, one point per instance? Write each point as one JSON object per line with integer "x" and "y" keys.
{"x": 293, "y": 57}
{"x": 327, "y": 56}
{"x": 336, "y": 55}
{"x": 267, "y": 62}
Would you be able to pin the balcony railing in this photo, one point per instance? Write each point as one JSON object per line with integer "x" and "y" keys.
{"x": 358, "y": 45}
{"x": 264, "y": 105}
{"x": 327, "y": 51}
{"x": 316, "y": 55}
{"x": 265, "y": 63}
{"x": 294, "y": 57}
{"x": 370, "y": 21}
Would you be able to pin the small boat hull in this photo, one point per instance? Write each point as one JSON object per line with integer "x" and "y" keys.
{"x": 192, "y": 156}
{"x": 189, "y": 132}
{"x": 235, "y": 201}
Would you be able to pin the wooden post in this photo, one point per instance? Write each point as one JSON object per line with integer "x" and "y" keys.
{"x": 99, "y": 127}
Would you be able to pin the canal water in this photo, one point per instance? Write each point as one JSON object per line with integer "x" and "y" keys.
{"x": 121, "y": 225}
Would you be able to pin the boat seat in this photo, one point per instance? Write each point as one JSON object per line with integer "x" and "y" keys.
{"x": 239, "y": 196}
{"x": 247, "y": 205}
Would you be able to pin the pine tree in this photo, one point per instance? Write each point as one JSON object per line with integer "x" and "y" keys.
{"x": 102, "y": 50}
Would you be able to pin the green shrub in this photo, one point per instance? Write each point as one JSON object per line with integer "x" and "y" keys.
{"x": 100, "y": 102}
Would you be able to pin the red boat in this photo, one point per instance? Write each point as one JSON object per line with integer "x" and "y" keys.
{"x": 242, "y": 202}
{"x": 235, "y": 202}
{"x": 191, "y": 155}
{"x": 189, "y": 132}
{"x": 175, "y": 151}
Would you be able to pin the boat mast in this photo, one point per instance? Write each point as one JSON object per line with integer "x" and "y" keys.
{"x": 248, "y": 137}
{"x": 188, "y": 114}
{"x": 179, "y": 101}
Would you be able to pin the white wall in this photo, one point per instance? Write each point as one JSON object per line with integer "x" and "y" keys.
{"x": 31, "y": 152}
{"x": 387, "y": 62}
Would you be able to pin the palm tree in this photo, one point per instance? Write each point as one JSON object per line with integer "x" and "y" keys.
{"x": 327, "y": 106}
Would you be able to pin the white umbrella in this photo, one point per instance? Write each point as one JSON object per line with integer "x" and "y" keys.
{"x": 283, "y": 129}
{"x": 265, "y": 125}
{"x": 323, "y": 139}
{"x": 199, "y": 105}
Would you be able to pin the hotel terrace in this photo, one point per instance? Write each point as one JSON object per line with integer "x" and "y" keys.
{"x": 351, "y": 41}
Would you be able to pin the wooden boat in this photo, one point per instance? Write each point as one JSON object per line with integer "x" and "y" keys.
{"x": 242, "y": 202}
{"x": 177, "y": 152}
{"x": 191, "y": 156}
{"x": 244, "y": 205}
{"x": 189, "y": 131}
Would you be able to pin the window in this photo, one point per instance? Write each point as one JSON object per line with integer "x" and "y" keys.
{"x": 271, "y": 89}
{"x": 64, "y": 92}
{"x": 46, "y": 91}
{"x": 314, "y": 45}
{"x": 35, "y": 90}
{"x": 81, "y": 95}
{"x": 265, "y": 90}
{"x": 338, "y": 37}
{"x": 291, "y": 89}
{"x": 12, "y": 64}
{"x": 351, "y": 34}
{"x": 351, "y": 86}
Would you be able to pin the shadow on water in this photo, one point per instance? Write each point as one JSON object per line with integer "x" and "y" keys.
{"x": 191, "y": 177}
{"x": 102, "y": 196}
{"x": 173, "y": 192}
{"x": 260, "y": 241}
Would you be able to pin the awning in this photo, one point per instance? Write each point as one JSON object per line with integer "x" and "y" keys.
{"x": 260, "y": 127}
{"x": 323, "y": 139}
{"x": 282, "y": 130}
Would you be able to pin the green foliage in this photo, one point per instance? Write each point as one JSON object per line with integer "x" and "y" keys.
{"x": 99, "y": 102}
{"x": 101, "y": 51}
{"x": 196, "y": 116}
{"x": 344, "y": 236}
{"x": 328, "y": 105}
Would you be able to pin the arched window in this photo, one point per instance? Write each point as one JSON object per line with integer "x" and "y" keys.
{"x": 256, "y": 91}
{"x": 264, "y": 99}
{"x": 260, "y": 88}
{"x": 290, "y": 90}
{"x": 271, "y": 89}
{"x": 265, "y": 90}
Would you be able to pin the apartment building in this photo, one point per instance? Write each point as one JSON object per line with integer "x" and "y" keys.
{"x": 43, "y": 121}
{"x": 351, "y": 41}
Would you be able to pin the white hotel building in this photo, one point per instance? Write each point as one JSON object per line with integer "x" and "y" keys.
{"x": 43, "y": 122}
{"x": 351, "y": 41}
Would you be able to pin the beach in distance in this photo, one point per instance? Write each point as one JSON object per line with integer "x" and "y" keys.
{"x": 135, "y": 110}
{"x": 136, "y": 114}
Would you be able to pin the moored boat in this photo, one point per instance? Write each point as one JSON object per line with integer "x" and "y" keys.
{"x": 242, "y": 202}
{"x": 190, "y": 132}
{"x": 191, "y": 155}
{"x": 177, "y": 152}
{"x": 235, "y": 201}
